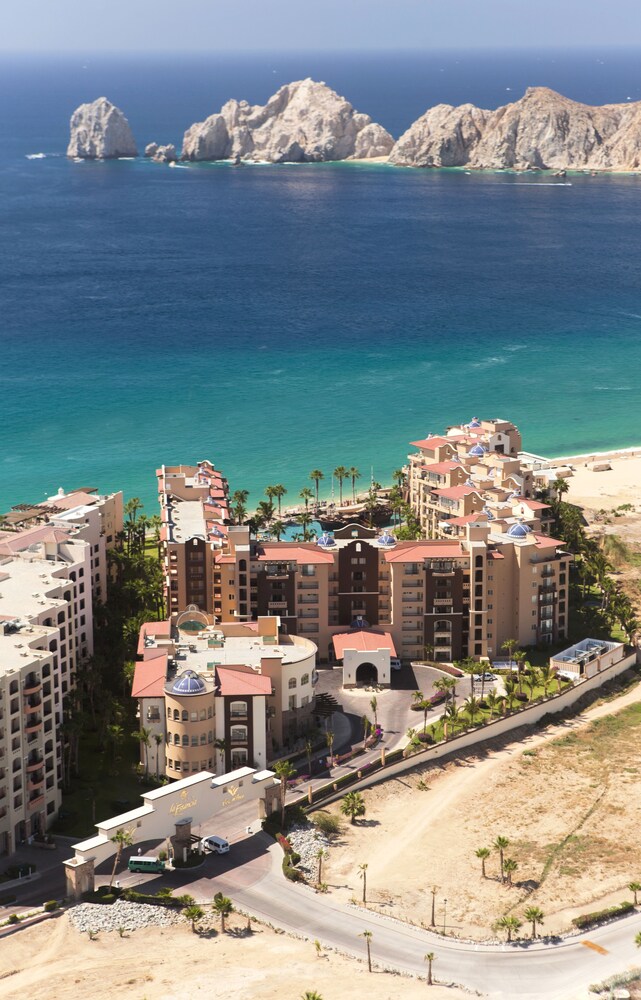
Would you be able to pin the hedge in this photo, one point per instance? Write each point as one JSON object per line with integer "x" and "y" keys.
{"x": 586, "y": 920}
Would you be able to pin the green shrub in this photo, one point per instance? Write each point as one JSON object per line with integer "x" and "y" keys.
{"x": 14, "y": 919}
{"x": 586, "y": 920}
{"x": 50, "y": 906}
{"x": 293, "y": 874}
{"x": 327, "y": 823}
{"x": 294, "y": 858}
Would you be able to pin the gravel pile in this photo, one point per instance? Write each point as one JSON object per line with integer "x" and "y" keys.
{"x": 131, "y": 916}
{"x": 306, "y": 841}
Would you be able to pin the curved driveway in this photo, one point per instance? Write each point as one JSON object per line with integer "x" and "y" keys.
{"x": 530, "y": 972}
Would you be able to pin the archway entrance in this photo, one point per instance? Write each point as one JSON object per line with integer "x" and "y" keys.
{"x": 366, "y": 675}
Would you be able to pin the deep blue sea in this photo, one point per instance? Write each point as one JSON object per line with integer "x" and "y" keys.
{"x": 280, "y": 318}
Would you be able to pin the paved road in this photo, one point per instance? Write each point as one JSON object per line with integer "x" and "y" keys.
{"x": 503, "y": 972}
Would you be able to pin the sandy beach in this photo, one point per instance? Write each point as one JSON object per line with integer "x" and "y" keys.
{"x": 608, "y": 490}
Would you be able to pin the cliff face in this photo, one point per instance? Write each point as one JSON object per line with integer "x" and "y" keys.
{"x": 100, "y": 131}
{"x": 543, "y": 129}
{"x": 303, "y": 121}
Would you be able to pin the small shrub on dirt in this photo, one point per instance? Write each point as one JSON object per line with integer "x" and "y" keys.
{"x": 50, "y": 906}
{"x": 327, "y": 823}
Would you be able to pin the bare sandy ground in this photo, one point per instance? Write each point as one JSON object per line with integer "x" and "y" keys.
{"x": 568, "y": 800}
{"x": 607, "y": 490}
{"x": 52, "y": 961}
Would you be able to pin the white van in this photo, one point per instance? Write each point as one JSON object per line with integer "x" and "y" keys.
{"x": 216, "y": 844}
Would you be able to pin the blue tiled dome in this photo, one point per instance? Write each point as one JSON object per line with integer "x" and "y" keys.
{"x": 475, "y": 422}
{"x": 476, "y": 451}
{"x": 518, "y": 531}
{"x": 326, "y": 540}
{"x": 386, "y": 538}
{"x": 468, "y": 482}
{"x": 189, "y": 683}
{"x": 488, "y": 513}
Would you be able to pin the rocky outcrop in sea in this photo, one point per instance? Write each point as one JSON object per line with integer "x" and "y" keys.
{"x": 304, "y": 121}
{"x": 161, "y": 154}
{"x": 100, "y": 131}
{"x": 543, "y": 130}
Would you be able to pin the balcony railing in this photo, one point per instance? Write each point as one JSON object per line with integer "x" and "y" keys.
{"x": 32, "y": 687}
{"x": 304, "y": 585}
{"x": 35, "y": 802}
{"x": 34, "y": 763}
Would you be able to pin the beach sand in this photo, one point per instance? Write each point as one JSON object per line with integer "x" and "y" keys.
{"x": 598, "y": 491}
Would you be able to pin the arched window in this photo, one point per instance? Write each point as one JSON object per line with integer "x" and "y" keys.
{"x": 443, "y": 626}
{"x": 185, "y": 741}
{"x": 176, "y": 715}
{"x": 238, "y": 758}
{"x": 177, "y": 740}
{"x": 185, "y": 715}
{"x": 239, "y": 734}
{"x": 238, "y": 709}
{"x": 203, "y": 714}
{"x": 242, "y": 565}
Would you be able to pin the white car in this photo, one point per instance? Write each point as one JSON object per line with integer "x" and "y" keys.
{"x": 483, "y": 677}
{"x": 395, "y": 663}
{"x": 216, "y": 844}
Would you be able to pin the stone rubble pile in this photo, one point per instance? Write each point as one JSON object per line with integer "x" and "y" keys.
{"x": 132, "y": 916}
{"x": 307, "y": 841}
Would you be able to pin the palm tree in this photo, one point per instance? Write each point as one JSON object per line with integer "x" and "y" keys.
{"x": 316, "y": 475}
{"x": 353, "y": 474}
{"x": 547, "y": 676}
{"x": 277, "y": 529}
{"x": 285, "y": 771}
{"x": 429, "y": 958}
{"x": 308, "y": 751}
{"x": 306, "y": 494}
{"x": 222, "y": 745}
{"x": 368, "y": 938}
{"x": 321, "y": 853}
{"x": 509, "y": 924}
{"x": 194, "y": 914}
{"x": 510, "y": 867}
{"x": 122, "y": 839}
{"x": 144, "y": 738}
{"x": 501, "y": 845}
{"x": 483, "y": 853}
{"x": 510, "y": 646}
{"x": 536, "y": 916}
{"x": 279, "y": 492}
{"x": 362, "y": 873}
{"x": 223, "y": 907}
{"x": 635, "y": 887}
{"x": 451, "y": 716}
{"x": 493, "y": 701}
{"x": 158, "y": 739}
{"x": 305, "y": 520}
{"x": 311, "y": 995}
{"x": 373, "y": 704}
{"x": 472, "y": 707}
{"x": 637, "y": 939}
{"x": 329, "y": 739}
{"x": 265, "y": 512}
{"x": 366, "y": 726}
{"x": 353, "y": 805}
{"x": 341, "y": 473}
{"x": 398, "y": 476}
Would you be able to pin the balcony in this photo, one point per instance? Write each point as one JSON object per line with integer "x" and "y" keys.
{"x": 277, "y": 605}
{"x": 33, "y": 723}
{"x": 442, "y": 601}
{"x": 36, "y": 802}
{"x": 34, "y": 762}
{"x": 304, "y": 585}
{"x": 36, "y": 781}
{"x": 412, "y": 583}
{"x": 408, "y": 598}
{"x": 33, "y": 703}
{"x": 308, "y": 600}
{"x": 32, "y": 686}
{"x": 238, "y": 741}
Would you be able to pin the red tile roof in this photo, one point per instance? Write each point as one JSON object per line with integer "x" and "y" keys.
{"x": 235, "y": 680}
{"x": 429, "y": 444}
{"x": 456, "y": 492}
{"x": 367, "y": 640}
{"x": 302, "y": 552}
{"x": 149, "y": 677}
{"x": 161, "y": 629}
{"x": 478, "y": 515}
{"x": 545, "y": 542}
{"x": 441, "y": 548}
{"x": 443, "y": 467}
{"x": 532, "y": 504}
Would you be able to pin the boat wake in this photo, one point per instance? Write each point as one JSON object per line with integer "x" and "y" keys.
{"x": 36, "y": 156}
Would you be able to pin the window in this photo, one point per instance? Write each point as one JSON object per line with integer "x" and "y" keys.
{"x": 238, "y": 758}
{"x": 292, "y": 702}
{"x": 238, "y": 709}
{"x": 304, "y": 679}
{"x": 308, "y": 570}
{"x": 194, "y": 741}
{"x": 176, "y": 714}
{"x": 238, "y": 734}
{"x": 185, "y": 715}
{"x": 185, "y": 741}
{"x": 292, "y": 682}
{"x": 194, "y": 716}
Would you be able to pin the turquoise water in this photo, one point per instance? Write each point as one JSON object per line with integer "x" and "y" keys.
{"x": 277, "y": 319}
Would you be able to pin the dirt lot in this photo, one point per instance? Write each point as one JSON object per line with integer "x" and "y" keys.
{"x": 53, "y": 961}
{"x": 569, "y": 801}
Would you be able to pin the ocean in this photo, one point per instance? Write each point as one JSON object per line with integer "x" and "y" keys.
{"x": 277, "y": 319}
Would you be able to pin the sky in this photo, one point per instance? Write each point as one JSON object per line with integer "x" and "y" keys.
{"x": 286, "y": 25}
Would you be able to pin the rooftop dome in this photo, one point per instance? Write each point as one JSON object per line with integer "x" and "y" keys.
{"x": 326, "y": 540}
{"x": 386, "y": 538}
{"x": 189, "y": 683}
{"x": 475, "y": 422}
{"x": 488, "y": 513}
{"x": 468, "y": 481}
{"x": 519, "y": 530}
{"x": 476, "y": 451}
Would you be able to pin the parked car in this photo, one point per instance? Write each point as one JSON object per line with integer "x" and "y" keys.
{"x": 483, "y": 677}
{"x": 216, "y": 844}
{"x": 395, "y": 663}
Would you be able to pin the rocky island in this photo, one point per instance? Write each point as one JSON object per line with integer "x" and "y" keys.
{"x": 100, "y": 131}
{"x": 543, "y": 130}
{"x": 304, "y": 121}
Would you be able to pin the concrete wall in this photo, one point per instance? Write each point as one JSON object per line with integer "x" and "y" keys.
{"x": 526, "y": 717}
{"x": 353, "y": 658}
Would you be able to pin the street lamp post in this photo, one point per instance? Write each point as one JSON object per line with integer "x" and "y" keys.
{"x": 444, "y": 913}
{"x": 434, "y": 891}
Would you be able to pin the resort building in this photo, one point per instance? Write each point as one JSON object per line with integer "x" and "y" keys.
{"x": 471, "y": 472}
{"x": 216, "y": 697}
{"x": 46, "y": 629}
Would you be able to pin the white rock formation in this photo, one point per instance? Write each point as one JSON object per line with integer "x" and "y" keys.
{"x": 303, "y": 121}
{"x": 543, "y": 129}
{"x": 161, "y": 154}
{"x": 100, "y": 131}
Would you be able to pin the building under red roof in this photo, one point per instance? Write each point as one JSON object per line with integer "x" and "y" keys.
{"x": 456, "y": 492}
{"x": 363, "y": 639}
{"x": 440, "y": 548}
{"x": 429, "y": 444}
{"x": 239, "y": 680}
{"x": 301, "y": 552}
{"x": 150, "y": 676}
